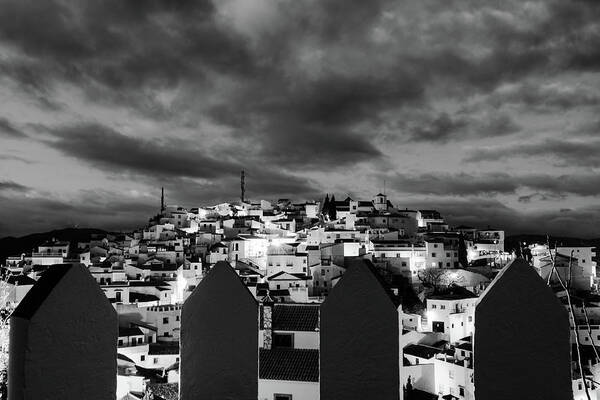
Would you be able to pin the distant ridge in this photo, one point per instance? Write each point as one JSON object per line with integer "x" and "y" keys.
{"x": 511, "y": 241}
{"x": 12, "y": 246}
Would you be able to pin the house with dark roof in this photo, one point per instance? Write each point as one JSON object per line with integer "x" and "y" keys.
{"x": 420, "y": 354}
{"x": 295, "y": 283}
{"x": 452, "y": 313}
{"x": 286, "y": 374}
{"x": 292, "y": 325}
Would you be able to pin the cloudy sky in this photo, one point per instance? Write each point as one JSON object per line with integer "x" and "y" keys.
{"x": 487, "y": 110}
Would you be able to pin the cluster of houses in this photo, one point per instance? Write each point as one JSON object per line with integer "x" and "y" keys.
{"x": 290, "y": 256}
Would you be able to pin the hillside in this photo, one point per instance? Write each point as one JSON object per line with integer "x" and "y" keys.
{"x": 11, "y": 246}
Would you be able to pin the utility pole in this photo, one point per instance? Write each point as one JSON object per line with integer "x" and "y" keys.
{"x": 243, "y": 184}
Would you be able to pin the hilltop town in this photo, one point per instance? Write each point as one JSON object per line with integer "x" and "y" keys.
{"x": 290, "y": 256}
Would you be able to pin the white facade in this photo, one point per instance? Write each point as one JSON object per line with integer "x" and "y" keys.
{"x": 454, "y": 377}
{"x": 454, "y": 317}
{"x": 267, "y": 389}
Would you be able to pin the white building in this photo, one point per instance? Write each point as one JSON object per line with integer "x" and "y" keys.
{"x": 452, "y": 314}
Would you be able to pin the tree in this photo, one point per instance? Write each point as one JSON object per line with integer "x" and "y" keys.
{"x": 332, "y": 211}
{"x": 462, "y": 251}
{"x": 432, "y": 278}
{"x": 325, "y": 208}
{"x": 439, "y": 278}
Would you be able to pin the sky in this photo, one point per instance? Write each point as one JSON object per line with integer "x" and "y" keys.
{"x": 485, "y": 110}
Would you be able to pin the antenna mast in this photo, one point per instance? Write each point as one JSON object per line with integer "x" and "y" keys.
{"x": 162, "y": 200}
{"x": 243, "y": 184}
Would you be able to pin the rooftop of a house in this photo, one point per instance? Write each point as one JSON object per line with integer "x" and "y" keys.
{"x": 296, "y": 317}
{"x": 421, "y": 351}
{"x": 130, "y": 331}
{"x": 465, "y": 346}
{"x": 163, "y": 349}
{"x": 286, "y": 364}
{"x": 454, "y": 293}
{"x": 20, "y": 280}
{"x": 142, "y": 297}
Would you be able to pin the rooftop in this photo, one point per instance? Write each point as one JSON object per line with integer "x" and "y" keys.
{"x": 296, "y": 317}
{"x": 421, "y": 351}
{"x": 289, "y": 364}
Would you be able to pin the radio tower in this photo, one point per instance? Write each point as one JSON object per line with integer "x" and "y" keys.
{"x": 162, "y": 200}
{"x": 243, "y": 184}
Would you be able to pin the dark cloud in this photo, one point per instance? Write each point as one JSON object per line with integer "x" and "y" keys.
{"x": 544, "y": 97}
{"x": 444, "y": 127}
{"x": 463, "y": 184}
{"x": 12, "y": 187}
{"x": 157, "y": 160}
{"x": 103, "y": 146}
{"x": 528, "y": 198}
{"x": 40, "y": 213}
{"x": 12, "y": 157}
{"x": 8, "y": 129}
{"x": 563, "y": 152}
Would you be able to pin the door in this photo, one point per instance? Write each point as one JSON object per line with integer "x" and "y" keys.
{"x": 438, "y": 326}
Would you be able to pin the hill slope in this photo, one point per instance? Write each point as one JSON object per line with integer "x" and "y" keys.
{"x": 11, "y": 246}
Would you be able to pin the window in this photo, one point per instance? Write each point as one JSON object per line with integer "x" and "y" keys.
{"x": 471, "y": 320}
{"x": 433, "y": 255}
{"x": 142, "y": 358}
{"x": 448, "y": 264}
{"x": 323, "y": 272}
{"x": 278, "y": 396}
{"x": 434, "y": 306}
{"x": 155, "y": 360}
{"x": 450, "y": 374}
{"x": 461, "y": 391}
{"x": 447, "y": 254}
{"x": 435, "y": 245}
{"x": 283, "y": 340}
{"x": 120, "y": 342}
{"x": 443, "y": 307}
{"x": 165, "y": 320}
{"x": 177, "y": 318}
